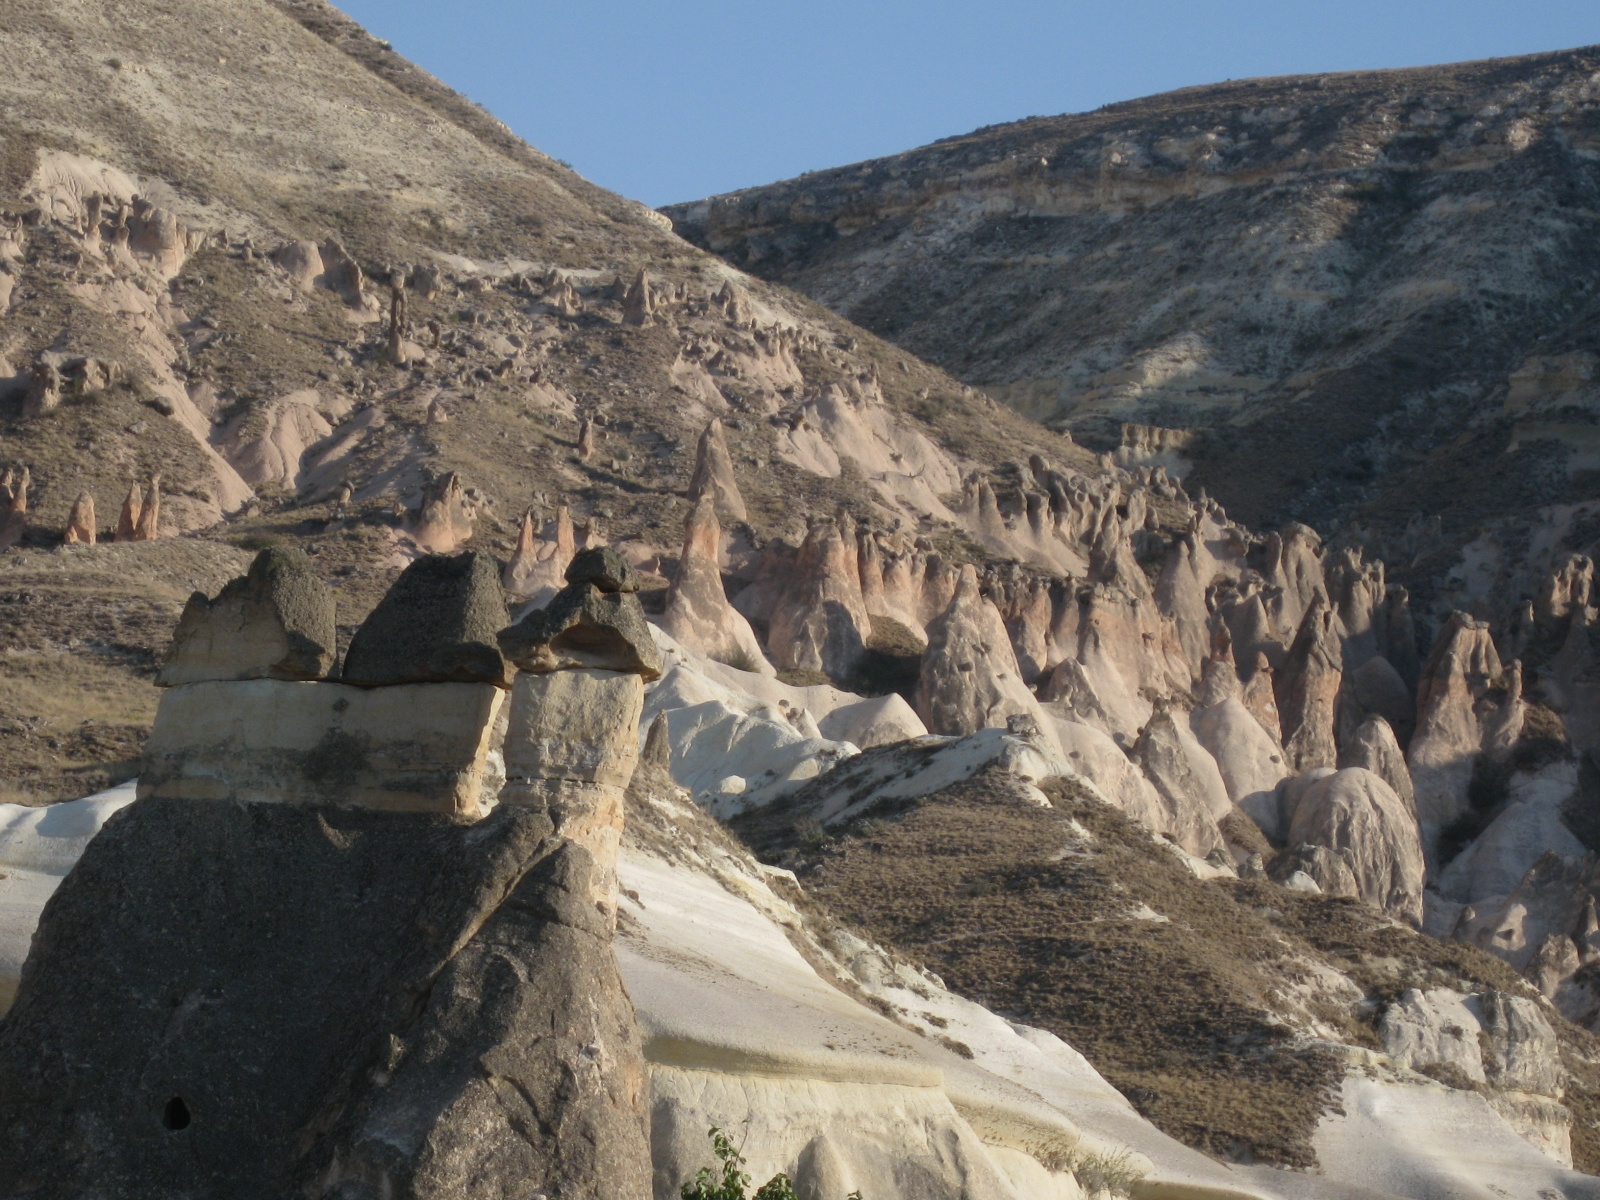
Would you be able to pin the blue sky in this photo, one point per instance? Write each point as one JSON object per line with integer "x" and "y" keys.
{"x": 679, "y": 99}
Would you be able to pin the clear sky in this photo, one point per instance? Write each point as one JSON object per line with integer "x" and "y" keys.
{"x": 667, "y": 100}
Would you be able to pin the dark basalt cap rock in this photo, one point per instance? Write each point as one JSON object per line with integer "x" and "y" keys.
{"x": 246, "y": 1000}
{"x": 276, "y": 622}
{"x": 584, "y": 627}
{"x": 605, "y": 568}
{"x": 437, "y": 624}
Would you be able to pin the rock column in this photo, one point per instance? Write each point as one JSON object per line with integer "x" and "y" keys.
{"x": 573, "y": 738}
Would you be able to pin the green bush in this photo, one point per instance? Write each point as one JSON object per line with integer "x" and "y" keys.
{"x": 706, "y": 1186}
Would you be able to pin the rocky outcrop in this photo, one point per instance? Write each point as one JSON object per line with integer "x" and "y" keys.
{"x": 147, "y": 526}
{"x": 638, "y": 302}
{"x": 1374, "y": 748}
{"x": 445, "y": 517}
{"x": 819, "y": 622}
{"x": 1259, "y": 696}
{"x": 1376, "y": 689}
{"x": 1250, "y": 762}
{"x": 595, "y": 622}
{"x": 573, "y": 738}
{"x": 128, "y": 518}
{"x": 437, "y": 624}
{"x": 1306, "y": 867}
{"x": 969, "y": 678}
{"x": 538, "y": 567}
{"x": 1355, "y": 814}
{"x": 13, "y": 506}
{"x": 1466, "y": 704}
{"x": 81, "y": 529}
{"x": 697, "y": 613}
{"x": 1308, "y": 689}
{"x": 44, "y": 391}
{"x": 277, "y": 622}
{"x": 713, "y": 475}
{"x": 361, "y": 973}
{"x": 1189, "y": 799}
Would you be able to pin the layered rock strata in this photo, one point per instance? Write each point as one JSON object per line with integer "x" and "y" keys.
{"x": 249, "y": 713}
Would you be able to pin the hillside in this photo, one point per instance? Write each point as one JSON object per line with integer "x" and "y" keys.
{"x": 203, "y": 210}
{"x": 1361, "y": 299}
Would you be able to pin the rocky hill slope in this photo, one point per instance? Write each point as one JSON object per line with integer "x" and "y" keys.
{"x": 1350, "y": 298}
{"x": 256, "y": 264}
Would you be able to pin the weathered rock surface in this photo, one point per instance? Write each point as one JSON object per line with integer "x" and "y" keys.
{"x": 1356, "y": 814}
{"x": 1308, "y": 690}
{"x": 698, "y": 613}
{"x": 584, "y": 627}
{"x": 713, "y": 475}
{"x": 355, "y": 992}
{"x": 81, "y": 529}
{"x": 437, "y": 624}
{"x": 444, "y": 518}
{"x": 820, "y": 620}
{"x": 969, "y": 678}
{"x": 1250, "y": 762}
{"x": 13, "y": 506}
{"x": 1466, "y": 704}
{"x": 277, "y": 622}
{"x": 1374, "y": 747}
{"x": 570, "y": 749}
{"x": 1188, "y": 798}
{"x": 420, "y": 747}
{"x": 944, "y": 249}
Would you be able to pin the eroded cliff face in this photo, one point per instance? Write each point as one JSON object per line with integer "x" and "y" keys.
{"x": 1359, "y": 296}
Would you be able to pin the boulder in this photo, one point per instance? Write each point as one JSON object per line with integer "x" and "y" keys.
{"x": 584, "y": 628}
{"x": 603, "y": 567}
{"x": 44, "y": 392}
{"x": 437, "y": 624}
{"x": 969, "y": 678}
{"x": 277, "y": 622}
{"x": 1356, "y": 814}
{"x": 301, "y": 261}
{"x": 697, "y": 612}
{"x": 258, "y": 1001}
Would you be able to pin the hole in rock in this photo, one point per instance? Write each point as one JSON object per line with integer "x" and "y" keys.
{"x": 176, "y": 1114}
